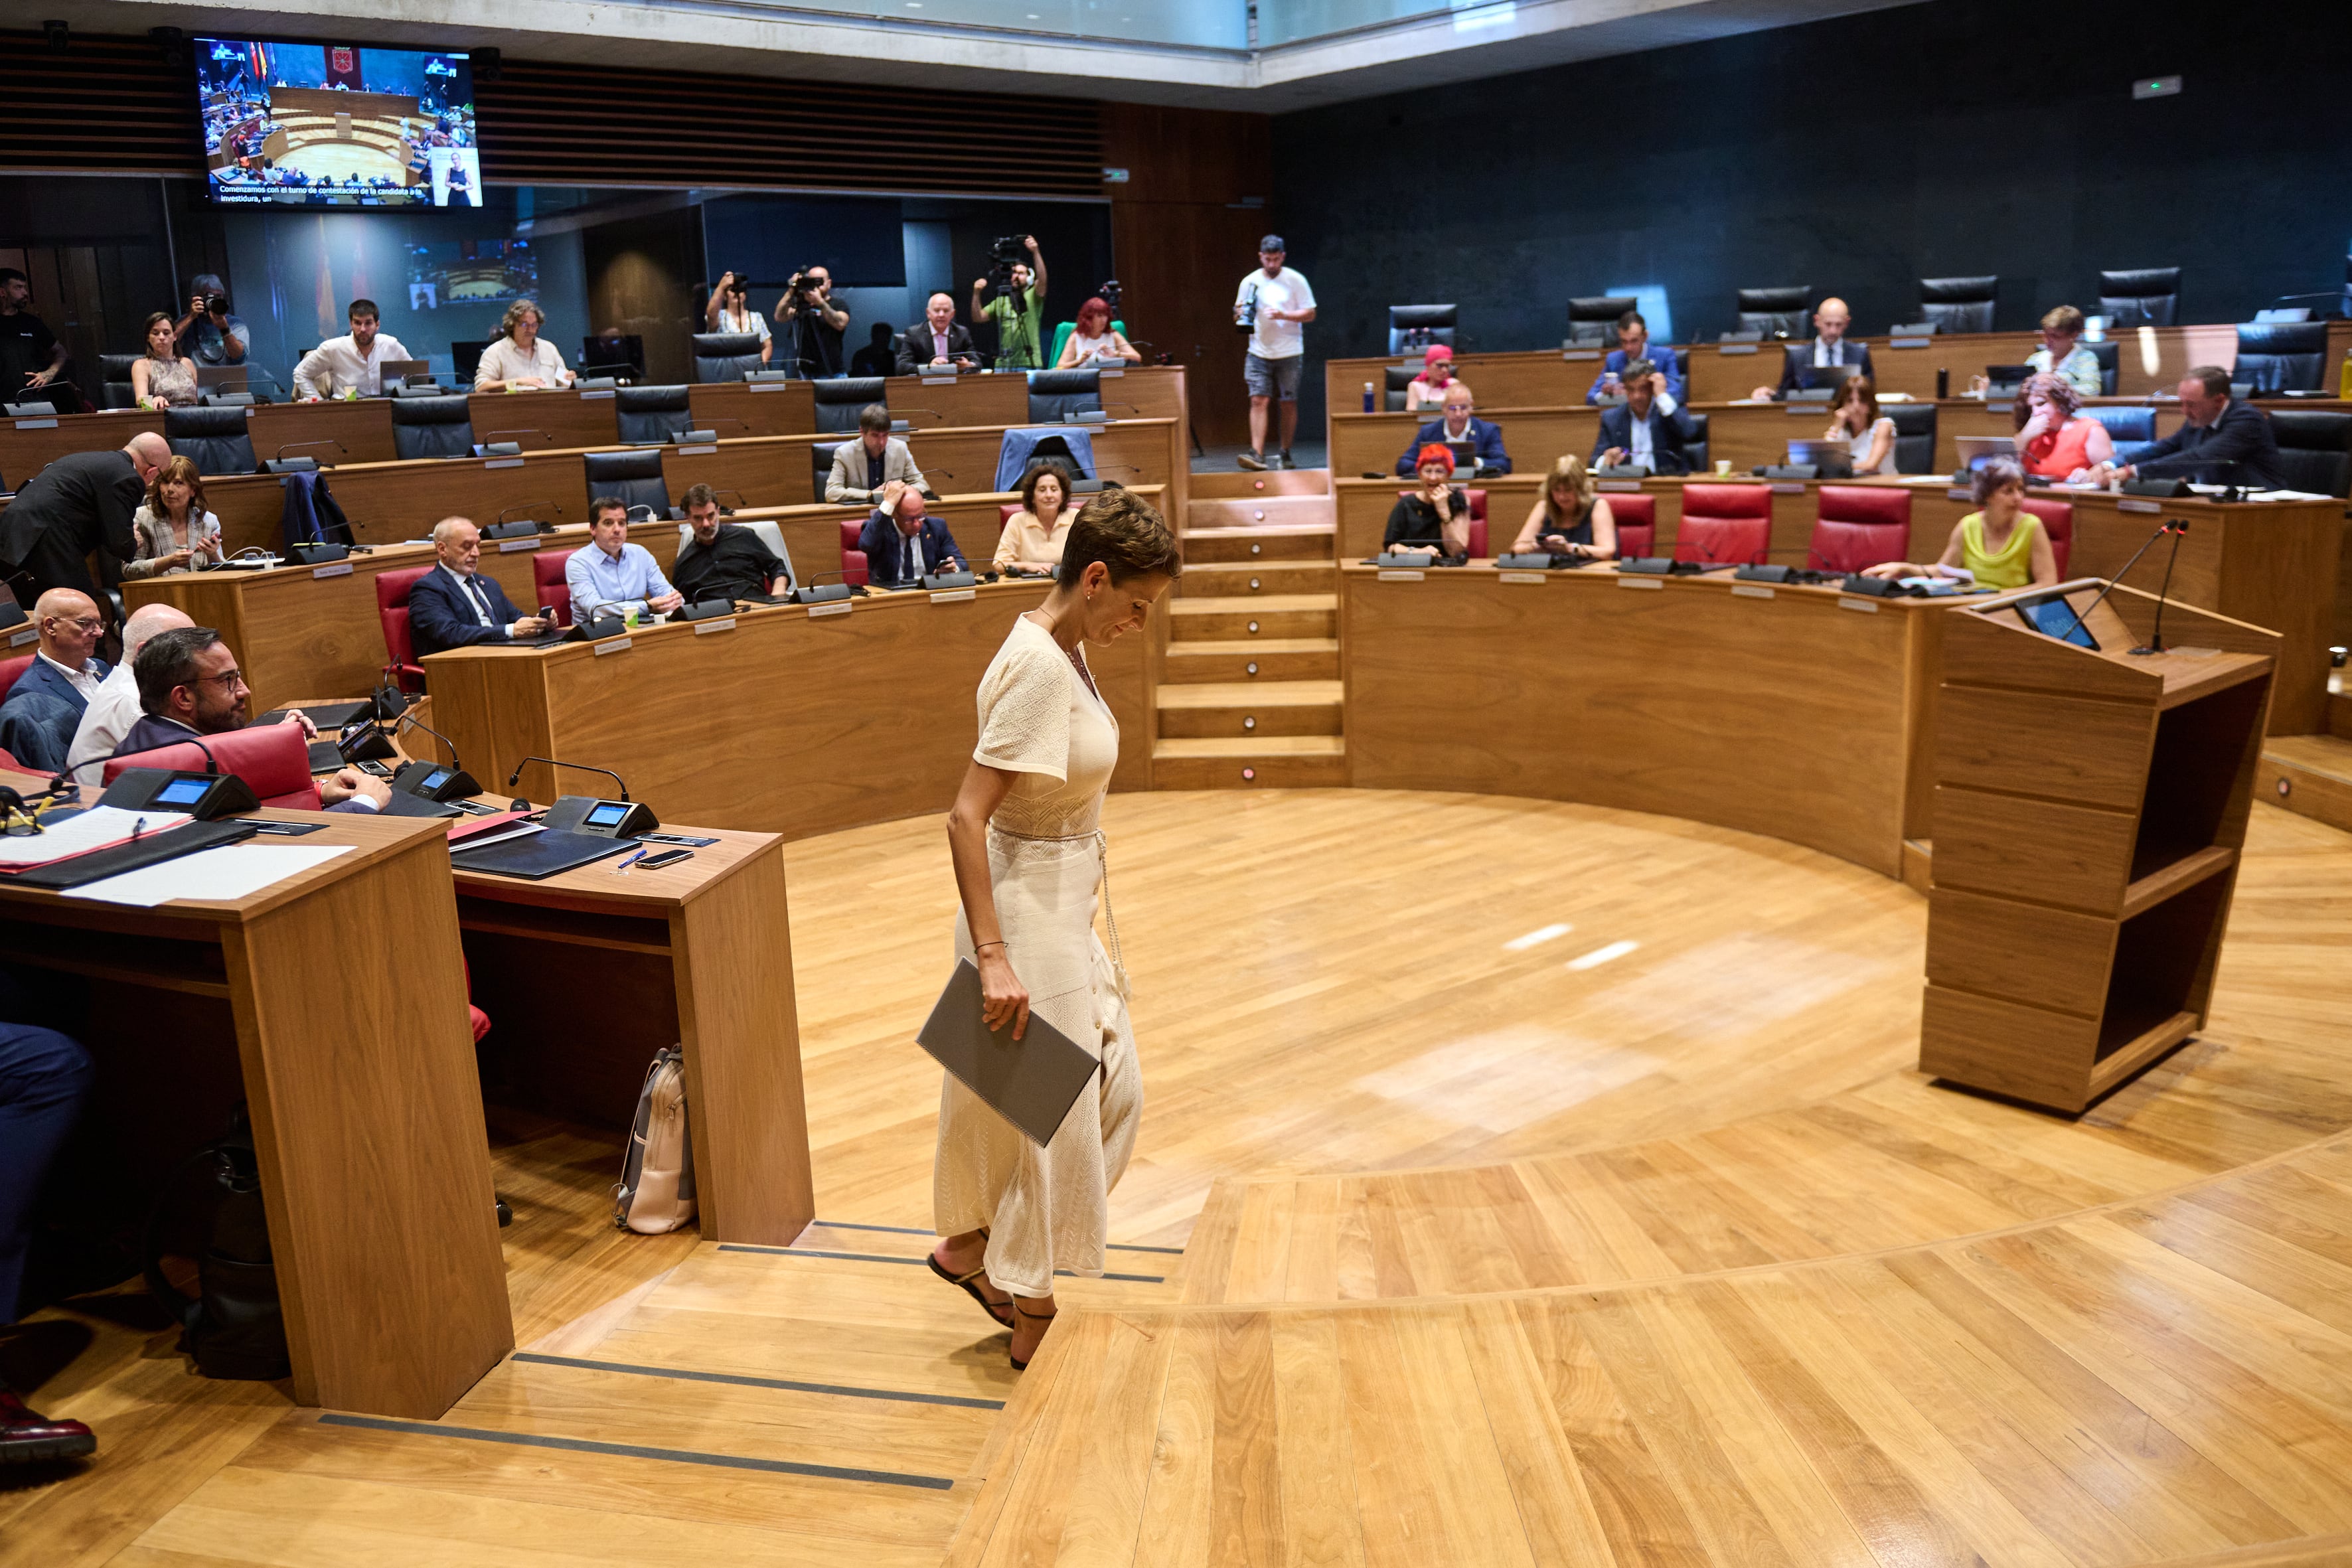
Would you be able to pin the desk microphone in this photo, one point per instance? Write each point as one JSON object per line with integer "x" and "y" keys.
{"x": 739, "y": 500}
{"x": 932, "y": 411}
{"x": 541, "y": 434}
{"x": 323, "y": 441}
{"x": 725, "y": 419}
{"x": 812, "y": 591}
{"x": 409, "y": 720}
{"x": 2155, "y": 634}
{"x": 2163, "y": 528}
{"x": 516, "y": 777}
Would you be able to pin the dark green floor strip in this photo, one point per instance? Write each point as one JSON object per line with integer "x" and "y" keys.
{"x": 742, "y": 1381}
{"x": 634, "y": 1451}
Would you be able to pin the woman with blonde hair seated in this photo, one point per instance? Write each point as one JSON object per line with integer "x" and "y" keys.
{"x": 1855, "y": 419}
{"x": 1032, "y": 541}
{"x": 2058, "y": 440}
{"x": 1570, "y": 518}
{"x": 2000, "y": 545}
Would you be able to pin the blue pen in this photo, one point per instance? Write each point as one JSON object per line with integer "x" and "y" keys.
{"x": 634, "y": 857}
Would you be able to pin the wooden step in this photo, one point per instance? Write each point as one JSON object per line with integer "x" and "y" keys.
{"x": 1219, "y": 484}
{"x": 1276, "y": 761}
{"x": 1260, "y": 541}
{"x": 1271, "y": 512}
{"x": 1268, "y": 616}
{"x": 1257, "y": 579}
{"x": 1251, "y": 658}
{"x": 2310, "y": 775}
{"x": 1246, "y": 708}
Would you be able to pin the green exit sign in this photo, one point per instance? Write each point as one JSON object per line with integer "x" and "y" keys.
{"x": 2156, "y": 87}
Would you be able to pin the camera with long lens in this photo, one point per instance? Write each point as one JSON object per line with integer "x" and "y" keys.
{"x": 1109, "y": 294}
{"x": 1005, "y": 254}
{"x": 800, "y": 294}
{"x": 216, "y": 304}
{"x": 1246, "y": 314}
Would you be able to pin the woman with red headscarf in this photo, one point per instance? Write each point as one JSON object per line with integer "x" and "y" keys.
{"x": 1428, "y": 389}
{"x": 1094, "y": 340}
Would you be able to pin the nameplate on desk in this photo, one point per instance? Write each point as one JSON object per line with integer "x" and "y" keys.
{"x": 607, "y": 394}
{"x": 1394, "y": 575}
{"x": 2132, "y": 504}
{"x": 1802, "y": 410}
{"x": 1909, "y": 343}
{"x": 339, "y": 569}
{"x": 954, "y": 595}
{"x": 509, "y": 546}
{"x": 1787, "y": 488}
{"x": 1535, "y": 577}
{"x": 931, "y": 377}
{"x": 612, "y": 645}
{"x": 767, "y": 385}
{"x": 37, "y": 423}
{"x": 1657, "y": 582}
{"x": 19, "y": 638}
{"x": 1629, "y": 487}
{"x": 1868, "y": 606}
{"x": 704, "y": 629}
{"x": 1750, "y": 591}
{"x": 503, "y": 463}
{"x": 1580, "y": 353}
{"x": 698, "y": 451}
{"x": 1736, "y": 349}
{"x": 837, "y": 607}
{"x": 1957, "y": 493}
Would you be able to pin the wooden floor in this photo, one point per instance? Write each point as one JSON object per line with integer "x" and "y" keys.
{"x": 1563, "y": 1195}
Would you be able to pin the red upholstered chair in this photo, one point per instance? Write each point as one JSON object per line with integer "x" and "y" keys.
{"x": 11, "y": 671}
{"x": 9, "y": 762}
{"x": 1478, "y": 519}
{"x": 274, "y": 761}
{"x": 392, "y": 606}
{"x": 547, "y": 578}
{"x": 1726, "y": 523}
{"x": 2057, "y": 521}
{"x": 1860, "y": 526}
{"x": 852, "y": 560}
{"x": 1006, "y": 513}
{"x": 1637, "y": 524}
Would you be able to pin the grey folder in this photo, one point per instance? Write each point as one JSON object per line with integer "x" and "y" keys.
{"x": 1032, "y": 1082}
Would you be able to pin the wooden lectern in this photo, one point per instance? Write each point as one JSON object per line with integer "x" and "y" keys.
{"x": 2090, "y": 806}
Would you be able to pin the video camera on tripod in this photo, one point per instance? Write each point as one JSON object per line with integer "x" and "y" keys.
{"x": 1005, "y": 253}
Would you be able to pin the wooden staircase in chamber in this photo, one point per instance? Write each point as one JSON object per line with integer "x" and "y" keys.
{"x": 1249, "y": 693}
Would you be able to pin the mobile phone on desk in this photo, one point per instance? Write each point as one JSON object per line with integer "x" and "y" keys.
{"x": 375, "y": 769}
{"x": 666, "y": 858}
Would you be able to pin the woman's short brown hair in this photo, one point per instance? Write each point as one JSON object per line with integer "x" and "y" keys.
{"x": 516, "y": 312}
{"x": 2057, "y": 389}
{"x": 1029, "y": 485}
{"x": 1993, "y": 476}
{"x": 2064, "y": 319}
{"x": 1125, "y": 534}
{"x": 185, "y": 470}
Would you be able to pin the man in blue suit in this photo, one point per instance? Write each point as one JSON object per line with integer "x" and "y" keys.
{"x": 1632, "y": 343}
{"x": 453, "y": 605}
{"x": 1457, "y": 424}
{"x": 44, "y": 707}
{"x": 1641, "y": 432}
{"x": 903, "y": 544}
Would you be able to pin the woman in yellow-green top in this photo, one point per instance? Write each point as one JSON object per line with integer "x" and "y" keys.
{"x": 2000, "y": 544}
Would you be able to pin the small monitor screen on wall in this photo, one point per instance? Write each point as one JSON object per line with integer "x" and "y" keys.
{"x": 337, "y": 125}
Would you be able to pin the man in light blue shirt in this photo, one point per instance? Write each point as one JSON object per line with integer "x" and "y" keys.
{"x": 613, "y": 576}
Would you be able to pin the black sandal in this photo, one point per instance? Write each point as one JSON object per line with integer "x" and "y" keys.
{"x": 1018, "y": 1364}
{"x": 965, "y": 1283}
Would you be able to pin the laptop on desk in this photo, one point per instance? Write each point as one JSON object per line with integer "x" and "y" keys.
{"x": 393, "y": 372}
{"x": 1976, "y": 451}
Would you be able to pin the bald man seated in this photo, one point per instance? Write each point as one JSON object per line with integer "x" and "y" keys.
{"x": 81, "y": 502}
{"x": 453, "y": 605}
{"x": 190, "y": 687}
{"x": 1827, "y": 360}
{"x": 38, "y": 722}
{"x": 937, "y": 339}
{"x": 114, "y": 707}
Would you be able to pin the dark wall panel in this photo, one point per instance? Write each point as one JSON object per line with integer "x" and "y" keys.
{"x": 1982, "y": 136}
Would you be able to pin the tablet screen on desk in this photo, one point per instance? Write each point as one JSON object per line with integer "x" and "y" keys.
{"x": 2056, "y": 618}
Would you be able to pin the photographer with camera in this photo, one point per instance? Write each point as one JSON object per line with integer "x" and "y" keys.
{"x": 1018, "y": 309}
{"x": 209, "y": 334}
{"x": 816, "y": 323}
{"x": 1272, "y": 306}
{"x": 729, "y": 311}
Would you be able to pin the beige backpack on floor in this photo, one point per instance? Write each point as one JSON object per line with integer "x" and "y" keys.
{"x": 657, "y": 1190}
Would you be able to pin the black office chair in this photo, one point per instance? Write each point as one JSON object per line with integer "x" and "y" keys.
{"x": 1776, "y": 312}
{"x": 2108, "y": 353}
{"x": 635, "y": 477}
{"x": 1914, "y": 435}
{"x": 726, "y": 356}
{"x": 1054, "y": 393}
{"x": 2281, "y": 356}
{"x": 1959, "y": 304}
{"x": 1413, "y": 328}
{"x": 116, "y": 370}
{"x": 1396, "y": 381}
{"x": 2132, "y": 431}
{"x": 1592, "y": 318}
{"x": 2315, "y": 449}
{"x": 435, "y": 427}
{"x": 1694, "y": 444}
{"x": 2143, "y": 296}
{"x": 623, "y": 354}
{"x": 215, "y": 438}
{"x": 839, "y": 399}
{"x": 821, "y": 461}
{"x": 466, "y": 358}
{"x": 652, "y": 413}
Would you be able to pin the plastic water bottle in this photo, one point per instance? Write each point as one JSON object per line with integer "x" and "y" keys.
{"x": 1368, "y": 397}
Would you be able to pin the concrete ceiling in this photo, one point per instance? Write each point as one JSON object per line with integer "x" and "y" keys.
{"x": 745, "y": 37}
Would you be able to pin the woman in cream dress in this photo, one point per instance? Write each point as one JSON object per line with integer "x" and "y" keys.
{"x": 1030, "y": 865}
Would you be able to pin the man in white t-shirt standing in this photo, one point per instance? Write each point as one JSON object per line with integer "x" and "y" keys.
{"x": 1276, "y": 303}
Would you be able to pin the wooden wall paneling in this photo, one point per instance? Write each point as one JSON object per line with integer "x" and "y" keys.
{"x": 103, "y": 105}
{"x": 549, "y": 418}
{"x": 643, "y": 273}
{"x": 330, "y": 433}
{"x": 731, "y": 409}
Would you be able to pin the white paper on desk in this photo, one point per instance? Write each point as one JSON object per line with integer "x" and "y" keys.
{"x": 233, "y": 871}
{"x": 93, "y": 829}
{"x": 2286, "y": 495}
